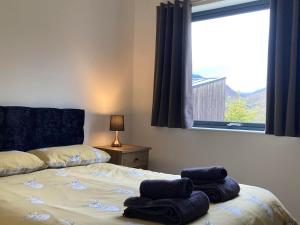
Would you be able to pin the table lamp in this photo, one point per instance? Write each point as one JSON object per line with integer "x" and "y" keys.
{"x": 116, "y": 124}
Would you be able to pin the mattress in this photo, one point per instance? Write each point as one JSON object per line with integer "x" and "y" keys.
{"x": 94, "y": 194}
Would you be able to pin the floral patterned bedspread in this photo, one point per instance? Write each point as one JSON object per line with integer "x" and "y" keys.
{"x": 94, "y": 194}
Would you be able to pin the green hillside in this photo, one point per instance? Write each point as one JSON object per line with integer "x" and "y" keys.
{"x": 246, "y": 107}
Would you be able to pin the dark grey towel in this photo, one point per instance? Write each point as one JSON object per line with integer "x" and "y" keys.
{"x": 157, "y": 189}
{"x": 205, "y": 174}
{"x": 168, "y": 211}
{"x": 220, "y": 191}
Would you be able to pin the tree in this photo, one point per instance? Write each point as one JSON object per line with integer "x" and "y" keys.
{"x": 237, "y": 111}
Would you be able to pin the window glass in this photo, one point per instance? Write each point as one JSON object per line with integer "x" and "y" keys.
{"x": 230, "y": 56}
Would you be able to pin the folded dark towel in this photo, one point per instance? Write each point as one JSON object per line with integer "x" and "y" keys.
{"x": 168, "y": 211}
{"x": 205, "y": 174}
{"x": 220, "y": 191}
{"x": 156, "y": 189}
{"x": 201, "y": 182}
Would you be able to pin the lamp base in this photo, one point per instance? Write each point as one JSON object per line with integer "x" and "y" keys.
{"x": 116, "y": 142}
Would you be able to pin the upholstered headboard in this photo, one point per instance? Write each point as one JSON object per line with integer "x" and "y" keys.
{"x": 24, "y": 128}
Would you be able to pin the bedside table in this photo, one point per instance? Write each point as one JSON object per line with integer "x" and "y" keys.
{"x": 128, "y": 155}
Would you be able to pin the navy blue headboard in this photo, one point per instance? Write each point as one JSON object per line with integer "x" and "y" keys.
{"x": 24, "y": 128}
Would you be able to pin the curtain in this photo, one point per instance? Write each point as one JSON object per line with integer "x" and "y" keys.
{"x": 172, "y": 94}
{"x": 283, "y": 88}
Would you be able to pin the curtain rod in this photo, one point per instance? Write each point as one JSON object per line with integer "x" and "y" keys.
{"x": 198, "y": 2}
{"x": 201, "y": 2}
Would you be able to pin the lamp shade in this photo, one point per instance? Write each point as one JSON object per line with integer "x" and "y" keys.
{"x": 117, "y": 123}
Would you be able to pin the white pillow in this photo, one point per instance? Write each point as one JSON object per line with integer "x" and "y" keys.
{"x": 73, "y": 155}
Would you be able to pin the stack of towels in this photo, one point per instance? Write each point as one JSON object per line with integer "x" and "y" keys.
{"x": 167, "y": 202}
{"x": 183, "y": 200}
{"x": 214, "y": 182}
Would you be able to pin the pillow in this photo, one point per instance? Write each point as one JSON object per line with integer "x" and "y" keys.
{"x": 74, "y": 155}
{"x": 16, "y": 162}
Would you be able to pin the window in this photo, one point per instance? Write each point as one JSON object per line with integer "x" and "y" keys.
{"x": 230, "y": 53}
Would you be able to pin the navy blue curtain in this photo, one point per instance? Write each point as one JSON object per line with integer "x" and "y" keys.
{"x": 172, "y": 95}
{"x": 283, "y": 88}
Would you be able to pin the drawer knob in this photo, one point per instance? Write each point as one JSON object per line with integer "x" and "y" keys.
{"x": 136, "y": 159}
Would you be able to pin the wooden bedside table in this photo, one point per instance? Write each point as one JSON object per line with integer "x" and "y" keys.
{"x": 128, "y": 155}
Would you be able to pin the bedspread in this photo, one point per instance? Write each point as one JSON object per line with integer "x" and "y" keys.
{"x": 94, "y": 194}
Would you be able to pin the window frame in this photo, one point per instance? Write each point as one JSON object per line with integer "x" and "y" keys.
{"x": 223, "y": 12}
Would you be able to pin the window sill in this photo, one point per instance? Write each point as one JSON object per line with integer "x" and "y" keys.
{"x": 228, "y": 130}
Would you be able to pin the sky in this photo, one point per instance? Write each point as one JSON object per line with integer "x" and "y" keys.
{"x": 235, "y": 47}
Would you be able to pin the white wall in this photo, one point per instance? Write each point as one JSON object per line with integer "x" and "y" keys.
{"x": 69, "y": 53}
{"x": 254, "y": 159}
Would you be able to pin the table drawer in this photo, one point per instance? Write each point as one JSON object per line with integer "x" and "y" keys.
{"x": 135, "y": 159}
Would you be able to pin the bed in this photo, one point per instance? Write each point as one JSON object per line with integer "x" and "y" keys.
{"x": 94, "y": 194}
